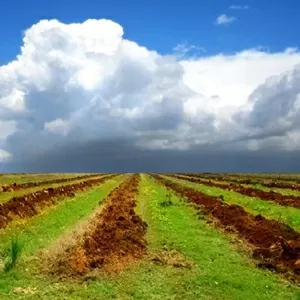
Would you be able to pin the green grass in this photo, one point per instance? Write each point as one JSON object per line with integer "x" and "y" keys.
{"x": 271, "y": 210}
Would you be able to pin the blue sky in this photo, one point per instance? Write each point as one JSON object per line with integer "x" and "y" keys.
{"x": 161, "y": 25}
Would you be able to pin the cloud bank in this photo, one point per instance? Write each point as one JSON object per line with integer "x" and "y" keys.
{"x": 82, "y": 95}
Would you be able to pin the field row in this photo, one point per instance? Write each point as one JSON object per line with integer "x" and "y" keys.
{"x": 254, "y": 205}
{"x": 275, "y": 243}
{"x": 285, "y": 200}
{"x": 148, "y": 237}
{"x": 279, "y": 177}
{"x": 42, "y": 186}
{"x": 32, "y": 204}
{"x": 269, "y": 183}
{"x": 18, "y": 186}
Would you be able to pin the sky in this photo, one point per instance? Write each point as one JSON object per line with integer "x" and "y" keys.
{"x": 166, "y": 86}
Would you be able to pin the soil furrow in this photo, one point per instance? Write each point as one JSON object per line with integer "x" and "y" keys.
{"x": 32, "y": 204}
{"x": 276, "y": 245}
{"x": 18, "y": 186}
{"x": 113, "y": 239}
{"x": 284, "y": 200}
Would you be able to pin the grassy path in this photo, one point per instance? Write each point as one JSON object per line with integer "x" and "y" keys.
{"x": 284, "y": 214}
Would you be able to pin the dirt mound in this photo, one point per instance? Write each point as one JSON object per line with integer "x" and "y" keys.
{"x": 18, "y": 186}
{"x": 277, "y": 245}
{"x": 31, "y": 204}
{"x": 114, "y": 238}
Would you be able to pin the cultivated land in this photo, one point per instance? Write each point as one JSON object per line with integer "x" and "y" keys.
{"x": 149, "y": 236}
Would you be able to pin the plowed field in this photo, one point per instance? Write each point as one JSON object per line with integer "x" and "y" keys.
{"x": 145, "y": 236}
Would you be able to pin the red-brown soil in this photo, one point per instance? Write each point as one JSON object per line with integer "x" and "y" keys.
{"x": 32, "y": 204}
{"x": 277, "y": 246}
{"x": 19, "y": 186}
{"x": 114, "y": 239}
{"x": 283, "y": 200}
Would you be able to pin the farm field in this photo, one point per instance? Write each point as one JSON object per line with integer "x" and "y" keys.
{"x": 147, "y": 236}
